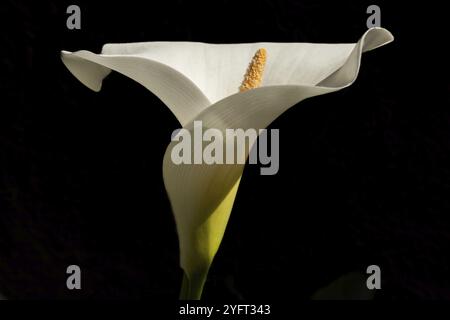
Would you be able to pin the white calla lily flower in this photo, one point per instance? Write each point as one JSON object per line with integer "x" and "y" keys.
{"x": 200, "y": 82}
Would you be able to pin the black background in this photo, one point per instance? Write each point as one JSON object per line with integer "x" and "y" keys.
{"x": 364, "y": 172}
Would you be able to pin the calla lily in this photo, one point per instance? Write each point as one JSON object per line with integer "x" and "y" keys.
{"x": 200, "y": 82}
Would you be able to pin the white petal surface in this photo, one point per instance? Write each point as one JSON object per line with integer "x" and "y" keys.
{"x": 218, "y": 69}
{"x": 179, "y": 93}
{"x": 189, "y": 76}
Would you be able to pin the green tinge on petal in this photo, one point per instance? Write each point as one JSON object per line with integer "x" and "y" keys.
{"x": 202, "y": 244}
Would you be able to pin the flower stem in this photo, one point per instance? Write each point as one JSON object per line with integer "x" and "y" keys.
{"x": 192, "y": 287}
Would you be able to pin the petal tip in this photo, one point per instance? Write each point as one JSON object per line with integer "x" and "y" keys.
{"x": 376, "y": 37}
{"x": 87, "y": 72}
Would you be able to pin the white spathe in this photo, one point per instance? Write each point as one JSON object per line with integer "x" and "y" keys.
{"x": 199, "y": 82}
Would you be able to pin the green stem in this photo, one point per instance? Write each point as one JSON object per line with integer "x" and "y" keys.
{"x": 192, "y": 287}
